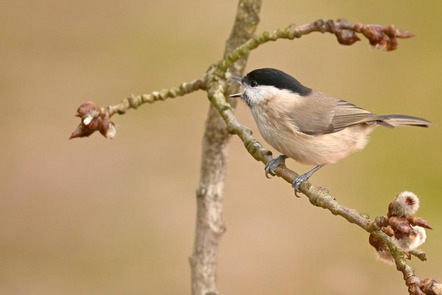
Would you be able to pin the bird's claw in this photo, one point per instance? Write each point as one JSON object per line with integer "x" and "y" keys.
{"x": 273, "y": 163}
{"x": 297, "y": 182}
{"x": 303, "y": 177}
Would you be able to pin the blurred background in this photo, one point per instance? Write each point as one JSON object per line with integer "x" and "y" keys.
{"x": 98, "y": 216}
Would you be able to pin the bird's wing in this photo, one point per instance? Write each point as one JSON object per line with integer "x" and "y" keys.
{"x": 322, "y": 114}
{"x": 347, "y": 114}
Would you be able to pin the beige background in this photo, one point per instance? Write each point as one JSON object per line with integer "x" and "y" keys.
{"x": 97, "y": 216}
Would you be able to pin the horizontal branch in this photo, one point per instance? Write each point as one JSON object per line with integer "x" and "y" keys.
{"x": 134, "y": 102}
{"x": 94, "y": 118}
{"x": 378, "y": 36}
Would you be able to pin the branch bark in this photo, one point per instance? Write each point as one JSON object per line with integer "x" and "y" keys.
{"x": 209, "y": 223}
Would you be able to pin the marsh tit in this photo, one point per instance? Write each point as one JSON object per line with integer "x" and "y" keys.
{"x": 307, "y": 125}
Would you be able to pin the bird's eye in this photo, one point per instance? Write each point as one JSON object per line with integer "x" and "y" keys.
{"x": 253, "y": 83}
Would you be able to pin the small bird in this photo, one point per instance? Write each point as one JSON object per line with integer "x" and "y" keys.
{"x": 307, "y": 125}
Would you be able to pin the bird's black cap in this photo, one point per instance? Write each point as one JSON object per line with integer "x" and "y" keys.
{"x": 276, "y": 78}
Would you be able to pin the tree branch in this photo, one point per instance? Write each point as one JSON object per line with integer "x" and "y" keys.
{"x": 378, "y": 36}
{"x": 319, "y": 197}
{"x": 209, "y": 197}
{"x": 209, "y": 224}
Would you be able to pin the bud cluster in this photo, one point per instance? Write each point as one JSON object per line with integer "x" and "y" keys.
{"x": 93, "y": 118}
{"x": 407, "y": 231}
{"x": 384, "y": 38}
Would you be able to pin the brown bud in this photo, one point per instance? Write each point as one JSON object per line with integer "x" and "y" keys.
{"x": 382, "y": 250}
{"x": 86, "y": 108}
{"x": 403, "y": 34}
{"x": 346, "y": 37}
{"x": 392, "y": 44}
{"x": 381, "y": 221}
{"x": 81, "y": 131}
{"x": 93, "y": 118}
{"x": 431, "y": 287}
{"x": 388, "y": 231}
{"x": 400, "y": 226}
{"x": 374, "y": 34}
{"x": 418, "y": 221}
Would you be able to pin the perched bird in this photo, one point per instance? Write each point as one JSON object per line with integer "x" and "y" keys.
{"x": 307, "y": 125}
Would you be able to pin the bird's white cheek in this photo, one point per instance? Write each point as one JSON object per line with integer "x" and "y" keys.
{"x": 255, "y": 95}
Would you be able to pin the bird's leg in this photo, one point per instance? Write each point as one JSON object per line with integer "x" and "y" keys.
{"x": 303, "y": 177}
{"x": 273, "y": 163}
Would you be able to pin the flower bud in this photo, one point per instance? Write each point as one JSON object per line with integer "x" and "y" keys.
{"x": 414, "y": 240}
{"x": 382, "y": 251}
{"x": 405, "y": 204}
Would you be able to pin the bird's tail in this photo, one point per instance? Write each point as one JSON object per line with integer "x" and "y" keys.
{"x": 404, "y": 120}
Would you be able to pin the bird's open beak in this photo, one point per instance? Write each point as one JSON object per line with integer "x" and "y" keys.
{"x": 236, "y": 94}
{"x": 239, "y": 79}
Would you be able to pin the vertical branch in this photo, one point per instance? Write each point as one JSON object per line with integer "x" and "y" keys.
{"x": 209, "y": 223}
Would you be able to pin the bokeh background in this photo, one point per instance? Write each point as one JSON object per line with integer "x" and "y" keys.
{"x": 98, "y": 216}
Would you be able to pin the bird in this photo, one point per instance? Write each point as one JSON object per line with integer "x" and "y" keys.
{"x": 307, "y": 125}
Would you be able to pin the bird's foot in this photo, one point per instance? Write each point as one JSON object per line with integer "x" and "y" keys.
{"x": 273, "y": 163}
{"x": 297, "y": 182}
{"x": 303, "y": 177}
